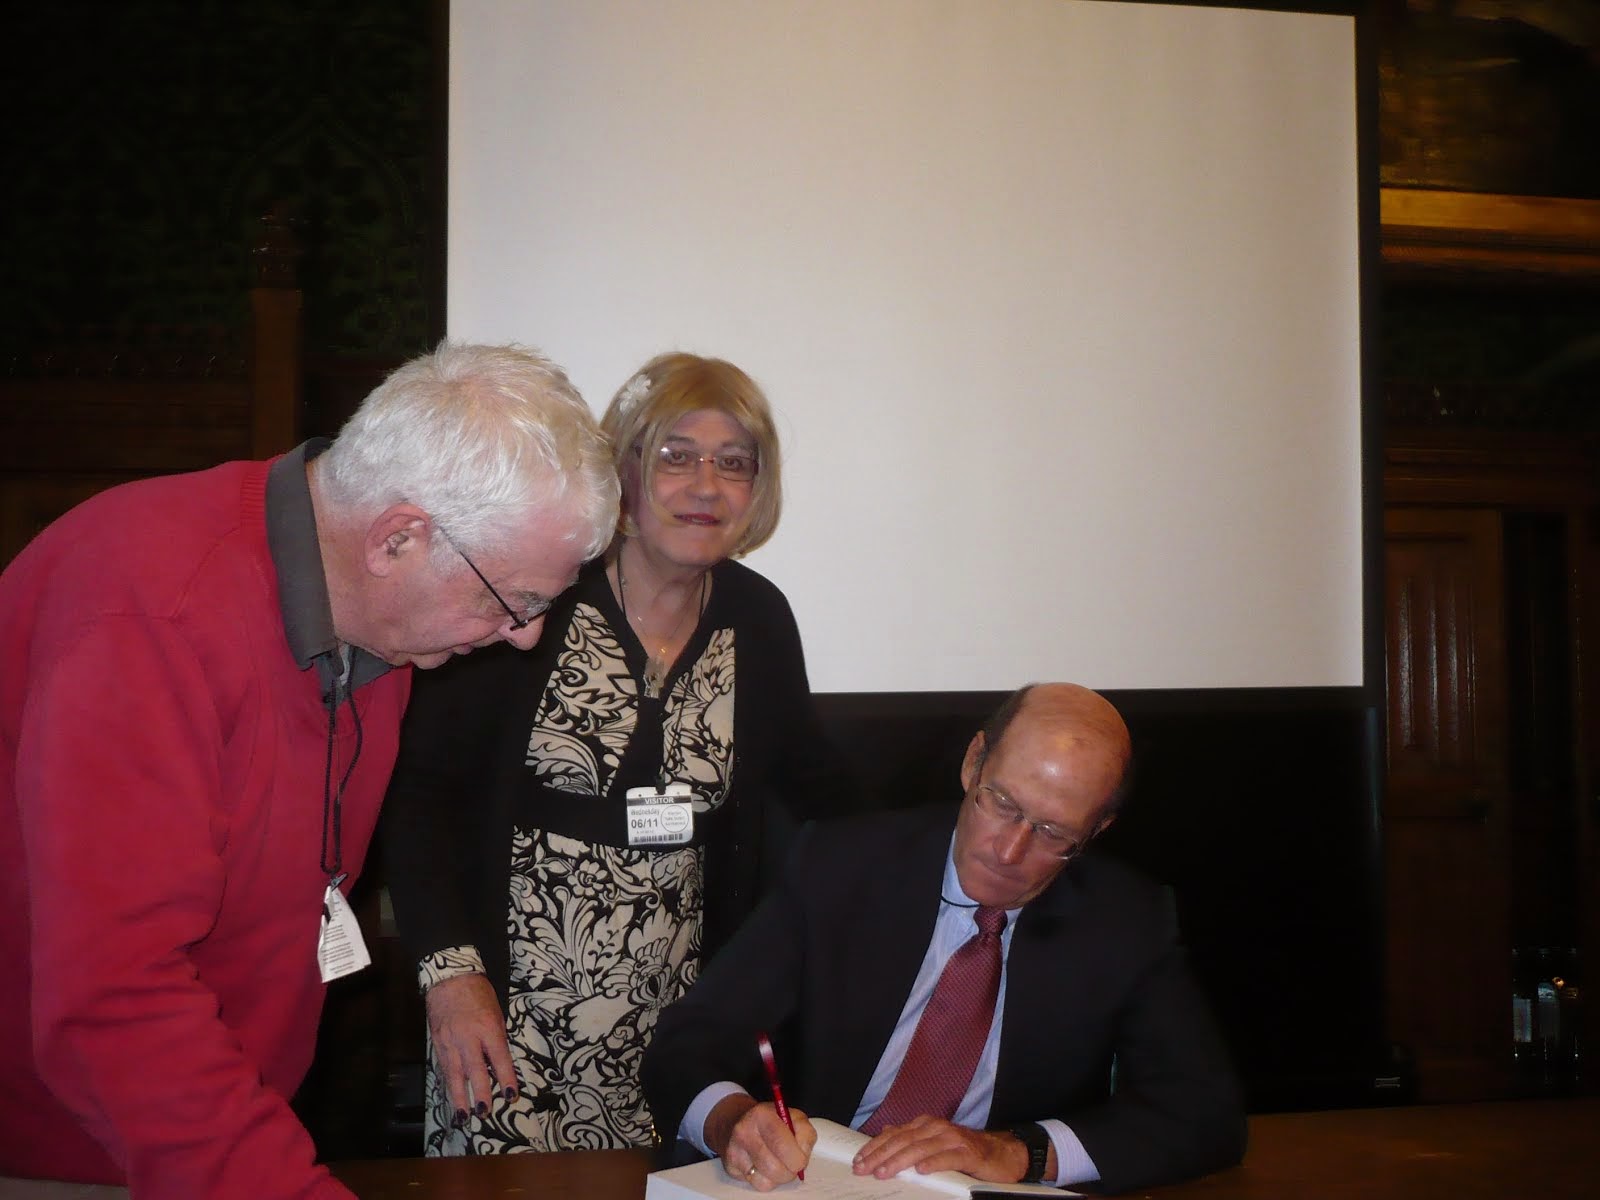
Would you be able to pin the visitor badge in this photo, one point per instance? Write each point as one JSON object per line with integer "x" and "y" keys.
{"x": 664, "y": 818}
{"x": 341, "y": 950}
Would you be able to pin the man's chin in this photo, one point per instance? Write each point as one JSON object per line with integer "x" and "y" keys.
{"x": 427, "y": 662}
{"x": 992, "y": 887}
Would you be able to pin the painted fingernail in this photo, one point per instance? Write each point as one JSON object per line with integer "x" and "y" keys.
{"x": 460, "y": 1118}
{"x": 509, "y": 1092}
{"x": 481, "y": 1108}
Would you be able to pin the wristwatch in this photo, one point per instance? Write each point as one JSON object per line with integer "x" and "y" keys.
{"x": 1037, "y": 1141}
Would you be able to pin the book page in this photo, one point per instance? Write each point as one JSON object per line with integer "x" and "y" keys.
{"x": 829, "y": 1177}
{"x": 826, "y": 1179}
{"x": 839, "y": 1143}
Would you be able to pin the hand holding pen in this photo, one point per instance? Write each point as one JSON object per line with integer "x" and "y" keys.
{"x": 764, "y": 1044}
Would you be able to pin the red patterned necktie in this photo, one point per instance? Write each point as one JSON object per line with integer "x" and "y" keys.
{"x": 949, "y": 1039}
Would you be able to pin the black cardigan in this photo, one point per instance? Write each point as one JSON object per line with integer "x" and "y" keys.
{"x": 447, "y": 821}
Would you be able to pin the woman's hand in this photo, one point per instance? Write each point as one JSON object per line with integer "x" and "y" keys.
{"x": 469, "y": 1044}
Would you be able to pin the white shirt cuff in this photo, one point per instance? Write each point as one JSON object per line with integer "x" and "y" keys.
{"x": 1073, "y": 1164}
{"x": 692, "y": 1128}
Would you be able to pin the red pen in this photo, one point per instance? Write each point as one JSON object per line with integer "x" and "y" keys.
{"x": 764, "y": 1044}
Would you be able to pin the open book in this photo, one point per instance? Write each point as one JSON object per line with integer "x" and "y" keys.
{"x": 828, "y": 1177}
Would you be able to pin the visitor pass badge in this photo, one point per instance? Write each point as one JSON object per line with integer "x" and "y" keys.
{"x": 664, "y": 818}
{"x": 341, "y": 950}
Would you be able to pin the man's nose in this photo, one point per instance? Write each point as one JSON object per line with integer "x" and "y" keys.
{"x": 1011, "y": 843}
{"x": 526, "y": 637}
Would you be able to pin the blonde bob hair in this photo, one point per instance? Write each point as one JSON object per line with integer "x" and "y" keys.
{"x": 661, "y": 393}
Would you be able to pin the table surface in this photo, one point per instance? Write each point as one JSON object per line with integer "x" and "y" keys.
{"x": 1540, "y": 1149}
{"x": 1549, "y": 1149}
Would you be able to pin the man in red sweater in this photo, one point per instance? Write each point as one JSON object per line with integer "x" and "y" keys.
{"x": 199, "y": 710}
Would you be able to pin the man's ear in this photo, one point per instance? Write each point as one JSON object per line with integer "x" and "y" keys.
{"x": 399, "y": 530}
{"x": 972, "y": 761}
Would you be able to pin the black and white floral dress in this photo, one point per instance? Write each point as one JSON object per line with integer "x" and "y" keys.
{"x": 600, "y": 935}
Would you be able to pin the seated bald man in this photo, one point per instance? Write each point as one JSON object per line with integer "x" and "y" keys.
{"x": 972, "y": 985}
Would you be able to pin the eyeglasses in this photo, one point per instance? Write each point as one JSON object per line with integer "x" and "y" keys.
{"x": 675, "y": 460}
{"x": 1048, "y": 838}
{"x": 534, "y": 612}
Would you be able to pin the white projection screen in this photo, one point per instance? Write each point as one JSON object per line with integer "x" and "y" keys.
{"x": 1057, "y": 302}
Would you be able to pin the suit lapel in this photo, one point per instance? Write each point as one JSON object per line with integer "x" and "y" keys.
{"x": 891, "y": 939}
{"x": 1033, "y": 984}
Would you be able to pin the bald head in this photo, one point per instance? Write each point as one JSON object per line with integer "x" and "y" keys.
{"x": 1057, "y": 754}
{"x": 1075, "y": 719}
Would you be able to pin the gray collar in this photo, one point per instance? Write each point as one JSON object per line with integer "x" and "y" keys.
{"x": 302, "y": 586}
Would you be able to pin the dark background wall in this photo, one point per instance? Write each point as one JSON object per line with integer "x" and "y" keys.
{"x": 146, "y": 139}
{"x": 1507, "y": 106}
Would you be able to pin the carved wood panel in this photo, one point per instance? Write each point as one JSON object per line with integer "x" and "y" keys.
{"x": 1445, "y": 812}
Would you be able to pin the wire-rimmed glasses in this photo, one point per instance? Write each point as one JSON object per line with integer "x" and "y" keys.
{"x": 1049, "y": 839}
{"x": 732, "y": 465}
{"x": 521, "y": 621}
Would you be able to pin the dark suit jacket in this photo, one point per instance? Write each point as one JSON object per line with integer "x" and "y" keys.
{"x": 1095, "y": 975}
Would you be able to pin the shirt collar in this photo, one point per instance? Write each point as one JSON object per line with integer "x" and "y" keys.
{"x": 302, "y": 586}
{"x": 953, "y": 895}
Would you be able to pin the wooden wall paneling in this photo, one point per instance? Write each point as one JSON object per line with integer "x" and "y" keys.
{"x": 1542, "y": 730}
{"x": 28, "y": 505}
{"x": 1436, "y": 234}
{"x": 98, "y": 407}
{"x": 1499, "y": 470}
{"x": 277, "y": 370}
{"x": 1583, "y": 540}
{"x": 1445, "y": 812}
{"x": 276, "y": 374}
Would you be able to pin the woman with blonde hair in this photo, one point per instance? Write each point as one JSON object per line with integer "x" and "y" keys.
{"x": 571, "y": 832}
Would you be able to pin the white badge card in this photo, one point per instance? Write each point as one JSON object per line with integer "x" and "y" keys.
{"x": 341, "y": 950}
{"x": 664, "y": 818}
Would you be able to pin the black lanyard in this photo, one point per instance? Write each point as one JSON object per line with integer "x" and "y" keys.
{"x": 332, "y": 852}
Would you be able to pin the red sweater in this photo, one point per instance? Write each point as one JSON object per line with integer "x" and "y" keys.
{"x": 161, "y": 801}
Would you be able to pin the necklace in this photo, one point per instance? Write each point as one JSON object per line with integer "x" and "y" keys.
{"x": 656, "y": 664}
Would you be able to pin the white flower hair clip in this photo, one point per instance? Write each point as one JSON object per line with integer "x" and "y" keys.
{"x": 635, "y": 390}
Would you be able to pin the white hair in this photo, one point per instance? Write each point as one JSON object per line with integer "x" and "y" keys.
{"x": 481, "y": 438}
